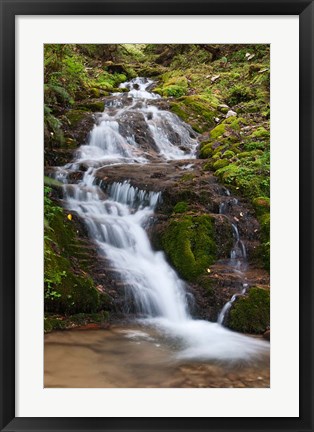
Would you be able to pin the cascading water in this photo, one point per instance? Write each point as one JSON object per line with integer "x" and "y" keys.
{"x": 238, "y": 258}
{"x": 116, "y": 215}
{"x": 227, "y": 306}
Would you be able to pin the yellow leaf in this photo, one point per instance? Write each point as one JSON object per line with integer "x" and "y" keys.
{"x": 69, "y": 216}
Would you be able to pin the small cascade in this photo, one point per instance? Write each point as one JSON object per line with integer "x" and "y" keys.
{"x": 238, "y": 256}
{"x": 138, "y": 88}
{"x": 116, "y": 214}
{"x": 114, "y": 139}
{"x": 238, "y": 251}
{"x": 223, "y": 313}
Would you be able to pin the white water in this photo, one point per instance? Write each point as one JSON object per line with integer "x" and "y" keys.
{"x": 227, "y": 306}
{"x": 116, "y": 222}
{"x": 238, "y": 258}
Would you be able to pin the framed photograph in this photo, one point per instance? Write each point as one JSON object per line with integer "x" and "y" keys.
{"x": 156, "y": 216}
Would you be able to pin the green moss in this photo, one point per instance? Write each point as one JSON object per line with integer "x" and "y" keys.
{"x": 188, "y": 243}
{"x": 261, "y": 205}
{"x": 95, "y": 92}
{"x": 218, "y": 131}
{"x": 196, "y": 110}
{"x": 265, "y": 225}
{"x": 206, "y": 151}
{"x": 256, "y": 145}
{"x": 97, "y": 106}
{"x": 240, "y": 93}
{"x": 217, "y": 155}
{"x": 235, "y": 123}
{"x": 228, "y": 154}
{"x": 180, "y": 207}
{"x": 187, "y": 177}
{"x": 60, "y": 322}
{"x": 179, "y": 109}
{"x": 207, "y": 284}
{"x": 251, "y": 313}
{"x": 249, "y": 174}
{"x": 244, "y": 155}
{"x": 260, "y": 133}
{"x": 207, "y": 166}
{"x": 220, "y": 163}
{"x": 68, "y": 286}
{"x": 75, "y": 116}
{"x": 174, "y": 91}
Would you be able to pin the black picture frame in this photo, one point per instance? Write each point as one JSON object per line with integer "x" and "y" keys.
{"x": 9, "y": 10}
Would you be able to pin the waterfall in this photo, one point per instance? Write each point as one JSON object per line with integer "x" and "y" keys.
{"x": 227, "y": 306}
{"x": 116, "y": 217}
{"x": 238, "y": 258}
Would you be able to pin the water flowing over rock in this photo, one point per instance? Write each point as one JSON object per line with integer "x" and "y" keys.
{"x": 132, "y": 133}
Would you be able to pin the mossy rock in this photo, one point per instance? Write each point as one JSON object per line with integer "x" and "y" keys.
{"x": 180, "y": 207}
{"x": 187, "y": 177}
{"x": 242, "y": 155}
{"x": 208, "y": 166}
{"x": 68, "y": 286}
{"x": 217, "y": 156}
{"x": 95, "y": 92}
{"x": 54, "y": 323}
{"x": 218, "y": 131}
{"x": 97, "y": 106}
{"x": 260, "y": 133}
{"x": 205, "y": 282}
{"x": 265, "y": 225}
{"x": 228, "y": 154}
{"x": 189, "y": 244}
{"x": 251, "y": 313}
{"x": 220, "y": 163}
{"x": 61, "y": 322}
{"x": 206, "y": 151}
{"x": 261, "y": 205}
{"x": 240, "y": 93}
{"x": 195, "y": 110}
{"x": 76, "y": 116}
{"x": 173, "y": 87}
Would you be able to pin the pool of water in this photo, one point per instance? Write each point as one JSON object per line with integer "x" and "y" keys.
{"x": 138, "y": 357}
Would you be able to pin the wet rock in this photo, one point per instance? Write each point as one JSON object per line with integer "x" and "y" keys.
{"x": 231, "y": 113}
{"x": 266, "y": 335}
{"x": 133, "y": 123}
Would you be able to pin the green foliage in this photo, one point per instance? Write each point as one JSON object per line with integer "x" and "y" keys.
{"x": 50, "y": 208}
{"x": 188, "y": 242}
{"x": 67, "y": 289}
{"x": 173, "y": 86}
{"x": 180, "y": 207}
{"x": 53, "y": 127}
{"x": 240, "y": 93}
{"x": 174, "y": 91}
{"x": 251, "y": 313}
{"x": 264, "y": 221}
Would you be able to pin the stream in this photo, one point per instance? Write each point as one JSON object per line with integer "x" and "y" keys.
{"x": 151, "y": 351}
